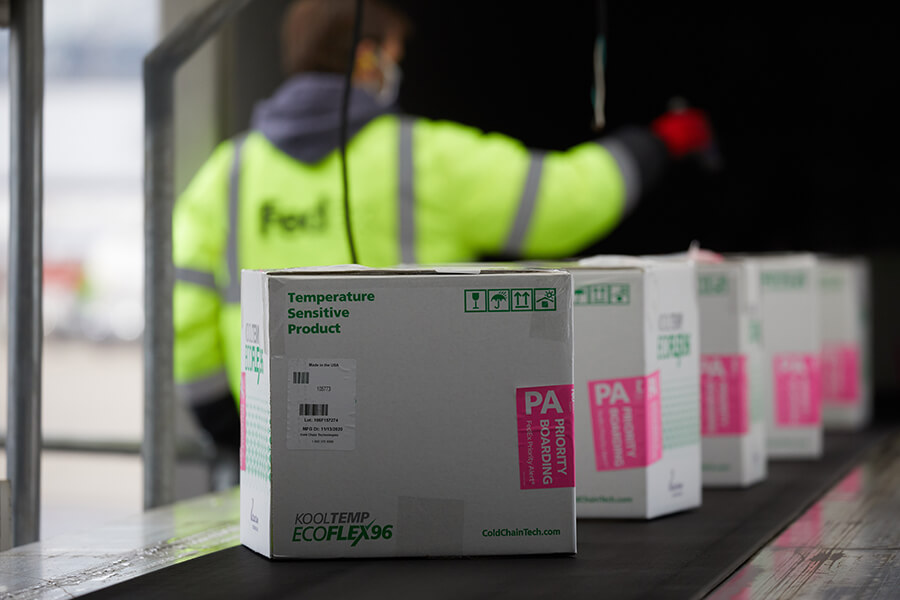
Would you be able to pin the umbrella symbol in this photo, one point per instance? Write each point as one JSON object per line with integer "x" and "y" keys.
{"x": 498, "y": 298}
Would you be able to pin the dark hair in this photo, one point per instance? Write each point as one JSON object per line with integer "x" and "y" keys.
{"x": 316, "y": 35}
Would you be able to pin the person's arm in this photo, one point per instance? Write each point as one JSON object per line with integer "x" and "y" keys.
{"x": 511, "y": 201}
{"x": 199, "y": 231}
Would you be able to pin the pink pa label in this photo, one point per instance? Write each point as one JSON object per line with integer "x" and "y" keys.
{"x": 798, "y": 390}
{"x": 243, "y": 421}
{"x": 724, "y": 394}
{"x": 626, "y": 416}
{"x": 546, "y": 444}
{"x": 841, "y": 374}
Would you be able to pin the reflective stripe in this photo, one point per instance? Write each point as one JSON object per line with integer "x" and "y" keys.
{"x": 204, "y": 390}
{"x": 201, "y": 278}
{"x": 629, "y": 169}
{"x": 515, "y": 242}
{"x": 406, "y": 192}
{"x": 233, "y": 291}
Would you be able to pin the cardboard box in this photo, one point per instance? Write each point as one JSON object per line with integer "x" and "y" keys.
{"x": 637, "y": 378}
{"x": 407, "y": 413}
{"x": 846, "y": 353}
{"x": 732, "y": 386}
{"x": 792, "y": 343}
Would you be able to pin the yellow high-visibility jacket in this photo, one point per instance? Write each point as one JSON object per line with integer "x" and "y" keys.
{"x": 420, "y": 191}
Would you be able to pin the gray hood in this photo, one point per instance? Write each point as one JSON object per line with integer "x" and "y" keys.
{"x": 302, "y": 118}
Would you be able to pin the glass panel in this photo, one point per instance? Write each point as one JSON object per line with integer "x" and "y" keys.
{"x": 93, "y": 253}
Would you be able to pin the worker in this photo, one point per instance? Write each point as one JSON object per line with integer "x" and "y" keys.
{"x": 419, "y": 191}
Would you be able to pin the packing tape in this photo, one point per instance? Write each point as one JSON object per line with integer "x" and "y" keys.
{"x": 555, "y": 325}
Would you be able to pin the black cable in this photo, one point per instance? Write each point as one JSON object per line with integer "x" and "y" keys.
{"x": 345, "y": 106}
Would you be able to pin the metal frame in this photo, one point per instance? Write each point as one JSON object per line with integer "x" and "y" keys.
{"x": 26, "y": 82}
{"x": 4, "y": 13}
{"x": 160, "y": 68}
{"x": 185, "y": 450}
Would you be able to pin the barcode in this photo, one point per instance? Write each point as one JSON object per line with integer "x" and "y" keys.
{"x": 301, "y": 376}
{"x": 313, "y": 410}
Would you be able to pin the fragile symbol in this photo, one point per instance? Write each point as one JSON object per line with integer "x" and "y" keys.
{"x": 476, "y": 301}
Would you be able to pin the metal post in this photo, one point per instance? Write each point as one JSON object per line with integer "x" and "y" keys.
{"x": 158, "y": 449}
{"x": 26, "y": 79}
{"x": 160, "y": 67}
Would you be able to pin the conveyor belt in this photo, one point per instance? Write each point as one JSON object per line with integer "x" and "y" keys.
{"x": 846, "y": 545}
{"x": 680, "y": 556}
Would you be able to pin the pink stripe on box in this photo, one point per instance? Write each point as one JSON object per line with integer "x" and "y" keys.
{"x": 243, "y": 421}
{"x": 723, "y": 394}
{"x": 546, "y": 445}
{"x": 841, "y": 374}
{"x": 626, "y": 416}
{"x": 798, "y": 390}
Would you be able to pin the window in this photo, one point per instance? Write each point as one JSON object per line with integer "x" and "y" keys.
{"x": 93, "y": 254}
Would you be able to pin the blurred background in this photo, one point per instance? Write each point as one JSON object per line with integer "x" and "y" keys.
{"x": 802, "y": 105}
{"x": 93, "y": 212}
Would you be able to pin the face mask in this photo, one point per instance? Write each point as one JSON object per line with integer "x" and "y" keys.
{"x": 391, "y": 77}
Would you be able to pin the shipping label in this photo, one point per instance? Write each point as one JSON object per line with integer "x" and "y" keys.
{"x": 321, "y": 404}
{"x": 724, "y": 394}
{"x": 798, "y": 390}
{"x": 841, "y": 373}
{"x": 626, "y": 417}
{"x": 546, "y": 444}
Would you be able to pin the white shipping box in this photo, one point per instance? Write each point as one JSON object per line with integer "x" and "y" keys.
{"x": 404, "y": 413}
{"x": 792, "y": 343}
{"x": 732, "y": 387}
{"x": 637, "y": 424}
{"x": 846, "y": 353}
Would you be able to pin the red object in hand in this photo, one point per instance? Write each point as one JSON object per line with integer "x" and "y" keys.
{"x": 684, "y": 131}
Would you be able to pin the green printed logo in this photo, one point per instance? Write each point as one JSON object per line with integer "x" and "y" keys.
{"x": 325, "y": 319}
{"x": 712, "y": 285}
{"x": 271, "y": 215}
{"x": 518, "y": 531}
{"x": 603, "y": 294}
{"x": 783, "y": 280}
{"x": 339, "y": 527}
{"x": 510, "y": 300}
{"x": 675, "y": 345}
{"x": 716, "y": 467}
{"x": 604, "y": 499}
{"x": 755, "y": 331}
{"x": 253, "y": 360}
